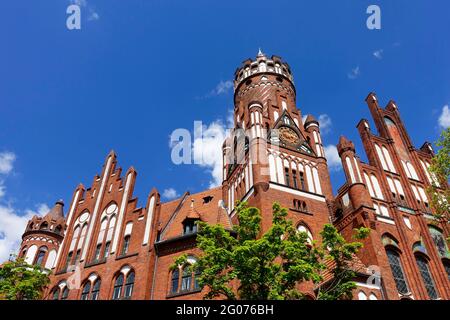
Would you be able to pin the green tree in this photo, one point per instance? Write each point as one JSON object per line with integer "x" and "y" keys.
{"x": 21, "y": 281}
{"x": 269, "y": 266}
{"x": 440, "y": 170}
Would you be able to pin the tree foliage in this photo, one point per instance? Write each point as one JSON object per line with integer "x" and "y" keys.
{"x": 21, "y": 281}
{"x": 440, "y": 171}
{"x": 246, "y": 264}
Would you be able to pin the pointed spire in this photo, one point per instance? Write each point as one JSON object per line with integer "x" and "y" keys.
{"x": 260, "y": 53}
{"x": 57, "y": 211}
{"x": 311, "y": 119}
{"x": 345, "y": 145}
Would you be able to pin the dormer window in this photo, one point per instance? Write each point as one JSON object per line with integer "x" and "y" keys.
{"x": 190, "y": 226}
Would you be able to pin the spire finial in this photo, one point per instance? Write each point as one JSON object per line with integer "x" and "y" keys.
{"x": 260, "y": 53}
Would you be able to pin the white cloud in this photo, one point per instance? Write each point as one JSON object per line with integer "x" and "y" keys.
{"x": 223, "y": 87}
{"x": 93, "y": 15}
{"x": 354, "y": 73}
{"x": 333, "y": 159}
{"x": 207, "y": 150}
{"x": 170, "y": 193}
{"x": 378, "y": 54}
{"x": 444, "y": 118}
{"x": 325, "y": 123}
{"x": 6, "y": 162}
{"x": 12, "y": 226}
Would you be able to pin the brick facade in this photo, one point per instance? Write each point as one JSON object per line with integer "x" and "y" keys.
{"x": 106, "y": 247}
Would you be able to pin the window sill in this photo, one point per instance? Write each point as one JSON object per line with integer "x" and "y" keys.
{"x": 95, "y": 263}
{"x": 183, "y": 293}
{"x": 385, "y": 219}
{"x": 301, "y": 211}
{"x": 126, "y": 256}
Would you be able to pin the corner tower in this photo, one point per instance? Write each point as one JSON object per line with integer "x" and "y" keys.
{"x": 271, "y": 155}
{"x": 43, "y": 236}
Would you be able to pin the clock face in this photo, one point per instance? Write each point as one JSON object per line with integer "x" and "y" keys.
{"x": 287, "y": 135}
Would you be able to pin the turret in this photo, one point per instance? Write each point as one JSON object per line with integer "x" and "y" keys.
{"x": 312, "y": 126}
{"x": 353, "y": 172}
{"x": 43, "y": 236}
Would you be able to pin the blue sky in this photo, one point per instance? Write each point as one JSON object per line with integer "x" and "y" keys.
{"x": 137, "y": 70}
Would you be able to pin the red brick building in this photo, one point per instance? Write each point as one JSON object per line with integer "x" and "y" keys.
{"x": 108, "y": 248}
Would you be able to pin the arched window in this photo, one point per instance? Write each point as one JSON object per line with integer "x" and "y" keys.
{"x": 422, "y": 264}
{"x": 129, "y": 285}
{"x": 446, "y": 263}
{"x": 98, "y": 250}
{"x": 86, "y": 291}
{"x": 77, "y": 255}
{"x": 65, "y": 293}
{"x": 69, "y": 259}
{"x": 24, "y": 252}
{"x": 186, "y": 279}
{"x": 55, "y": 293}
{"x": 106, "y": 252}
{"x": 44, "y": 225}
{"x": 302, "y": 228}
{"x": 372, "y": 297}
{"x": 126, "y": 245}
{"x": 58, "y": 229}
{"x": 118, "y": 287}
{"x": 439, "y": 241}
{"x": 362, "y": 296}
{"x": 40, "y": 257}
{"x": 397, "y": 271}
{"x": 96, "y": 289}
{"x": 175, "y": 278}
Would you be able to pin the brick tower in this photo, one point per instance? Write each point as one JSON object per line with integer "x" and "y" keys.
{"x": 43, "y": 236}
{"x": 278, "y": 158}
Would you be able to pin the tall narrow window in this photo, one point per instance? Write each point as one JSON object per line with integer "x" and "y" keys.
{"x": 118, "y": 287}
{"x": 397, "y": 271}
{"x": 65, "y": 293}
{"x": 126, "y": 245}
{"x": 86, "y": 291}
{"x": 175, "y": 278}
{"x": 77, "y": 255}
{"x": 96, "y": 289}
{"x": 68, "y": 260}
{"x": 40, "y": 256}
{"x": 106, "y": 253}
{"x": 302, "y": 180}
{"x": 186, "y": 279}
{"x": 447, "y": 268}
{"x": 294, "y": 179}
{"x": 55, "y": 295}
{"x": 286, "y": 176}
{"x": 197, "y": 273}
{"x": 97, "y": 252}
{"x": 129, "y": 285}
{"x": 426, "y": 277}
{"x": 439, "y": 241}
